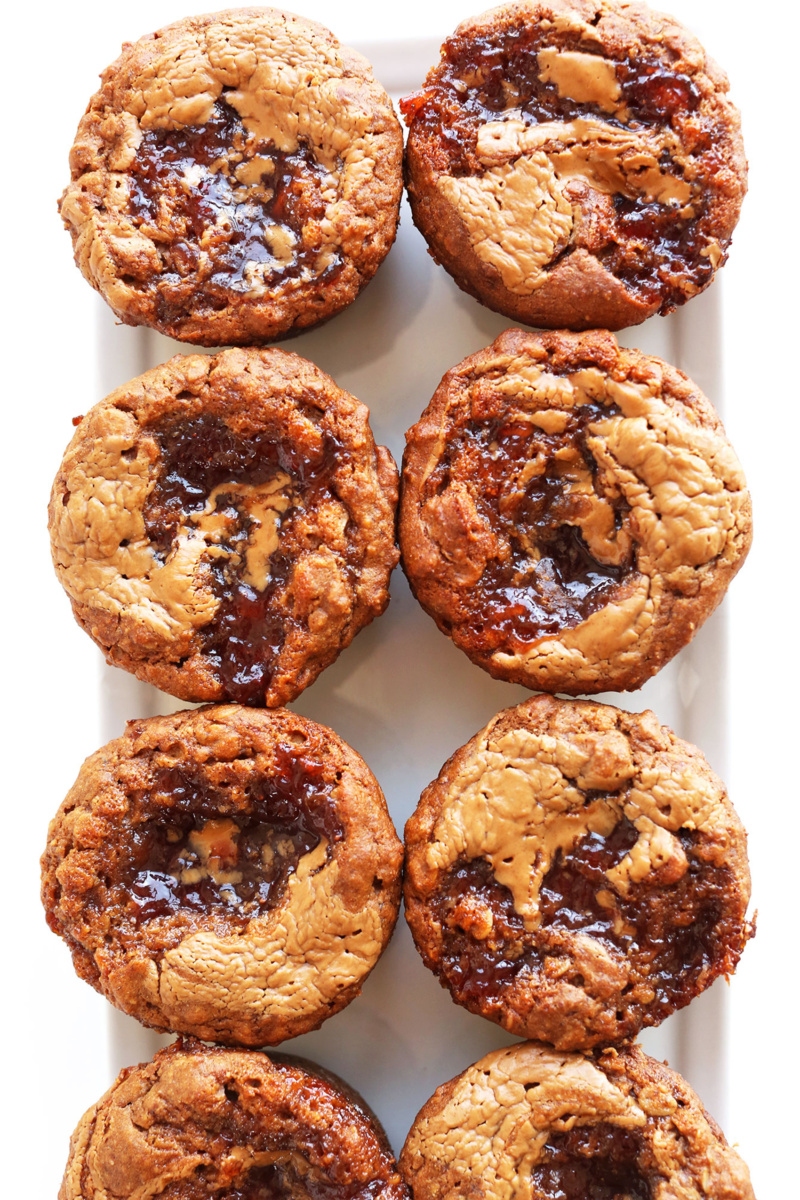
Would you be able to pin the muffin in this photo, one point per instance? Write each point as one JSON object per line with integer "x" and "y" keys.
{"x": 576, "y": 164}
{"x": 571, "y": 512}
{"x": 236, "y": 179}
{"x": 224, "y": 525}
{"x": 202, "y": 1122}
{"x": 526, "y": 1121}
{"x": 225, "y": 872}
{"x": 576, "y": 873}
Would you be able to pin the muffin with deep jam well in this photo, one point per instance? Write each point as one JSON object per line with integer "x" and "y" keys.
{"x": 574, "y": 163}
{"x": 236, "y": 179}
{"x": 571, "y": 511}
{"x": 529, "y": 1122}
{"x": 224, "y": 872}
{"x": 576, "y": 873}
{"x": 201, "y": 1123}
{"x": 224, "y": 525}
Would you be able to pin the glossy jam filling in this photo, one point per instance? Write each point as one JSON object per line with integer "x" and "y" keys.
{"x": 595, "y": 1162}
{"x": 669, "y": 933}
{"x": 192, "y": 850}
{"x": 647, "y": 244}
{"x": 279, "y": 1182}
{"x": 548, "y": 580}
{"x": 206, "y": 193}
{"x": 245, "y": 637}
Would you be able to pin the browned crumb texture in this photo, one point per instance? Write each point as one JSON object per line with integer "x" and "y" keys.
{"x": 224, "y": 525}
{"x": 574, "y": 163}
{"x": 236, "y": 179}
{"x": 576, "y": 873}
{"x": 198, "y": 1122}
{"x": 572, "y": 511}
{"x": 225, "y": 872}
{"x": 529, "y": 1121}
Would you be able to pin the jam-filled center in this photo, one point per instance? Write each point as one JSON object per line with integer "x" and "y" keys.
{"x": 280, "y": 1181}
{"x": 670, "y": 931}
{"x": 193, "y": 849}
{"x": 243, "y": 495}
{"x": 562, "y": 544}
{"x": 598, "y": 1162}
{"x": 230, "y": 210}
{"x": 650, "y": 235}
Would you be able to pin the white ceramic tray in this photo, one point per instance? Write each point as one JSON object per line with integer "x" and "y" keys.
{"x": 402, "y": 695}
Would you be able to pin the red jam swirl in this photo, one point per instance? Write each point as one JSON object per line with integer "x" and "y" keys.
{"x": 209, "y": 226}
{"x": 671, "y": 934}
{"x": 656, "y": 248}
{"x": 191, "y": 850}
{"x": 591, "y": 1162}
{"x": 248, "y": 630}
{"x": 545, "y": 579}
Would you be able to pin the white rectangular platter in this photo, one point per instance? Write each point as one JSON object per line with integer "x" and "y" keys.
{"x": 402, "y": 695}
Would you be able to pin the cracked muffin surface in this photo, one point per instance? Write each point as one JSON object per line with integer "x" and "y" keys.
{"x": 236, "y": 179}
{"x": 575, "y": 164}
{"x": 225, "y": 872}
{"x": 528, "y": 1123}
{"x": 200, "y": 1122}
{"x": 576, "y": 872}
{"x": 571, "y": 511}
{"x": 224, "y": 525}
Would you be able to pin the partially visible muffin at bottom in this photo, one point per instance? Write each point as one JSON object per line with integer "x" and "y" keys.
{"x": 571, "y": 511}
{"x": 202, "y": 1123}
{"x": 527, "y": 1121}
{"x": 224, "y": 526}
{"x": 225, "y": 872}
{"x": 576, "y": 872}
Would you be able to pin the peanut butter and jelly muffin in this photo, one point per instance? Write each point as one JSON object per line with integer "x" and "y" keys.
{"x": 576, "y": 872}
{"x": 201, "y": 1123}
{"x": 528, "y": 1122}
{"x": 236, "y": 179}
{"x": 572, "y": 511}
{"x": 226, "y": 872}
{"x": 576, "y": 163}
{"x": 224, "y": 525}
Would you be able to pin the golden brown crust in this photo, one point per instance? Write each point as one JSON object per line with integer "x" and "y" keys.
{"x": 574, "y": 164}
{"x": 198, "y": 1122}
{"x": 530, "y": 1122}
{"x": 277, "y": 546}
{"x": 576, "y": 872}
{"x": 177, "y": 210}
{"x": 571, "y": 511}
{"x": 224, "y": 872}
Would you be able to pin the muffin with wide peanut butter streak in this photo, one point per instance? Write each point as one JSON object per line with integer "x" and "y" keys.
{"x": 530, "y": 1122}
{"x": 236, "y": 179}
{"x": 576, "y": 872}
{"x": 572, "y": 511}
{"x": 576, "y": 164}
{"x": 226, "y": 872}
{"x": 204, "y": 1123}
{"x": 224, "y": 525}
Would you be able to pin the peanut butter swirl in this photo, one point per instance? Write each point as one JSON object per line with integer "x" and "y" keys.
{"x": 527, "y": 1122}
{"x": 576, "y": 872}
{"x": 236, "y": 177}
{"x": 572, "y": 511}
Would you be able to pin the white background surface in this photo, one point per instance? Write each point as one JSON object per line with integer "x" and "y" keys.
{"x": 401, "y": 694}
